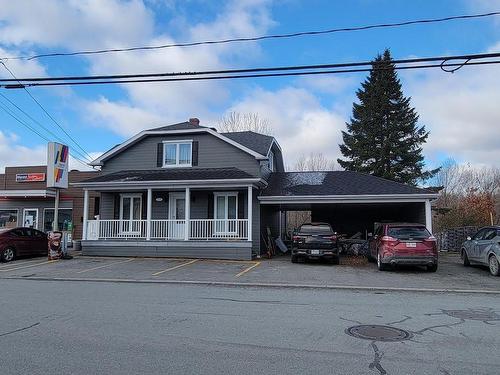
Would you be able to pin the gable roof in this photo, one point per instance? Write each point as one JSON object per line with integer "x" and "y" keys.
{"x": 260, "y": 143}
{"x": 179, "y": 128}
{"x": 336, "y": 183}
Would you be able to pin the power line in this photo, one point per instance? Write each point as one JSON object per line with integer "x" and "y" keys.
{"x": 56, "y": 137}
{"x": 466, "y": 57}
{"x": 11, "y": 114}
{"x": 47, "y": 113}
{"x": 258, "y": 38}
{"x": 443, "y": 64}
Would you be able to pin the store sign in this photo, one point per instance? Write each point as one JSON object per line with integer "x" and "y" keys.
{"x": 30, "y": 177}
{"x": 57, "y": 165}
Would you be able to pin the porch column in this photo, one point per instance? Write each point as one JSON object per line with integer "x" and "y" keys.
{"x": 148, "y": 214}
{"x": 85, "y": 213}
{"x": 187, "y": 212}
{"x": 428, "y": 215}
{"x": 249, "y": 210}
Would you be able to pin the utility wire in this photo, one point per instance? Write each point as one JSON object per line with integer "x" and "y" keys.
{"x": 47, "y": 113}
{"x": 11, "y": 114}
{"x": 444, "y": 60}
{"x": 56, "y": 137}
{"x": 239, "y": 76}
{"x": 258, "y": 38}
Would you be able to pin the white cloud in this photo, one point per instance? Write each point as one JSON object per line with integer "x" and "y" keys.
{"x": 300, "y": 123}
{"x": 173, "y": 102}
{"x": 86, "y": 24}
{"x": 461, "y": 111}
{"x": 121, "y": 118}
{"x": 12, "y": 154}
{"x": 329, "y": 84}
{"x": 20, "y": 68}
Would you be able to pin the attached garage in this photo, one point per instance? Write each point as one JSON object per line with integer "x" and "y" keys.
{"x": 350, "y": 201}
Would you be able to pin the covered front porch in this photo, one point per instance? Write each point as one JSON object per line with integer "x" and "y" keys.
{"x": 188, "y": 221}
{"x": 175, "y": 214}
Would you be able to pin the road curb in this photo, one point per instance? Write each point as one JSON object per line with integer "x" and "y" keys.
{"x": 262, "y": 285}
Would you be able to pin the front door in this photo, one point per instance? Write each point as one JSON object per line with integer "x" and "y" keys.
{"x": 30, "y": 218}
{"x": 176, "y": 215}
{"x": 130, "y": 213}
{"x": 226, "y": 213}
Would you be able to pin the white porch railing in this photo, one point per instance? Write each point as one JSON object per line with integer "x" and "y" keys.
{"x": 199, "y": 229}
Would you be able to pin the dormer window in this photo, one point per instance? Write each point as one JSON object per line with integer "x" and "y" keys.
{"x": 177, "y": 154}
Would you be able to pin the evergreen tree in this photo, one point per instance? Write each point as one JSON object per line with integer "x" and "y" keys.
{"x": 383, "y": 137}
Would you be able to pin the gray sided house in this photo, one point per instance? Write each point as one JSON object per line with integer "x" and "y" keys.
{"x": 181, "y": 190}
{"x": 187, "y": 190}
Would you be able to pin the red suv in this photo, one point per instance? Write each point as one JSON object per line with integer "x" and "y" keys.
{"x": 404, "y": 243}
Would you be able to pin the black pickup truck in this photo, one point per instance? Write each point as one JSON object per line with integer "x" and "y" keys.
{"x": 315, "y": 241}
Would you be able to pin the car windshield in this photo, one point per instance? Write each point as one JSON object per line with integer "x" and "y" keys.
{"x": 322, "y": 229}
{"x": 409, "y": 232}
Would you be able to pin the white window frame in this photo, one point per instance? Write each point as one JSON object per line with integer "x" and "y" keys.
{"x": 225, "y": 194}
{"x": 122, "y": 220}
{"x": 53, "y": 209}
{"x": 17, "y": 214}
{"x": 37, "y": 216}
{"x": 271, "y": 161}
{"x": 177, "y": 153}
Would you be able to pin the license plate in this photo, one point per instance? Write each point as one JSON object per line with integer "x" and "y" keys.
{"x": 411, "y": 244}
{"x": 314, "y": 252}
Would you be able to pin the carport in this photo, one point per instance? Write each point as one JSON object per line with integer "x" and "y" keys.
{"x": 350, "y": 201}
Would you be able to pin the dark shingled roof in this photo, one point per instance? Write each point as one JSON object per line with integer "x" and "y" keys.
{"x": 173, "y": 174}
{"x": 334, "y": 183}
{"x": 254, "y": 141}
{"x": 180, "y": 126}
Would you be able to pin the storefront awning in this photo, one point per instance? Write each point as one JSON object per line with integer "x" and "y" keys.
{"x": 27, "y": 193}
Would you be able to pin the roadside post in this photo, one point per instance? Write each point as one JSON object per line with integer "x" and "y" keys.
{"x": 57, "y": 178}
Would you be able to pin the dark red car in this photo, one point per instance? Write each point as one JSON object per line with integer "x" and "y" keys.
{"x": 20, "y": 242}
{"x": 404, "y": 244}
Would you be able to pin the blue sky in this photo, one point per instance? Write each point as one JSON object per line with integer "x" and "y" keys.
{"x": 307, "y": 114}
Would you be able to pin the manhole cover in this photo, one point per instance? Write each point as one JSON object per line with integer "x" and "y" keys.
{"x": 482, "y": 315}
{"x": 378, "y": 333}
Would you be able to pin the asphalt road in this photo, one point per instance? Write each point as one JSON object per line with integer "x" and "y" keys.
{"x": 49, "y": 327}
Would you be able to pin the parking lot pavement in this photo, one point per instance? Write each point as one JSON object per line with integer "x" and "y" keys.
{"x": 450, "y": 275}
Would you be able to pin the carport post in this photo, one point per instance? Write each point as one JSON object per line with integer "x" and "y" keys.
{"x": 428, "y": 215}
{"x": 249, "y": 209}
{"x": 85, "y": 213}
{"x": 148, "y": 214}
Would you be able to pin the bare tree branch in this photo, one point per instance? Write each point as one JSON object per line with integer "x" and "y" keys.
{"x": 237, "y": 122}
{"x": 315, "y": 162}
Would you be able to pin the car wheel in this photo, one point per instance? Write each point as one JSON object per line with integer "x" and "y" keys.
{"x": 432, "y": 268}
{"x": 381, "y": 266}
{"x": 494, "y": 266}
{"x": 465, "y": 258}
{"x": 8, "y": 254}
{"x": 295, "y": 259}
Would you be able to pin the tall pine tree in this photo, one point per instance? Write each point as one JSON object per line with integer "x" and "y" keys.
{"x": 383, "y": 137}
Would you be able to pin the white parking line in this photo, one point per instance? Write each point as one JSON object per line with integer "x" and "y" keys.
{"x": 31, "y": 265}
{"x": 20, "y": 263}
{"x": 175, "y": 267}
{"x": 247, "y": 269}
{"x": 106, "y": 265}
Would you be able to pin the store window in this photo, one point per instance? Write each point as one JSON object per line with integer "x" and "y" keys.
{"x": 65, "y": 219}
{"x": 8, "y": 218}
